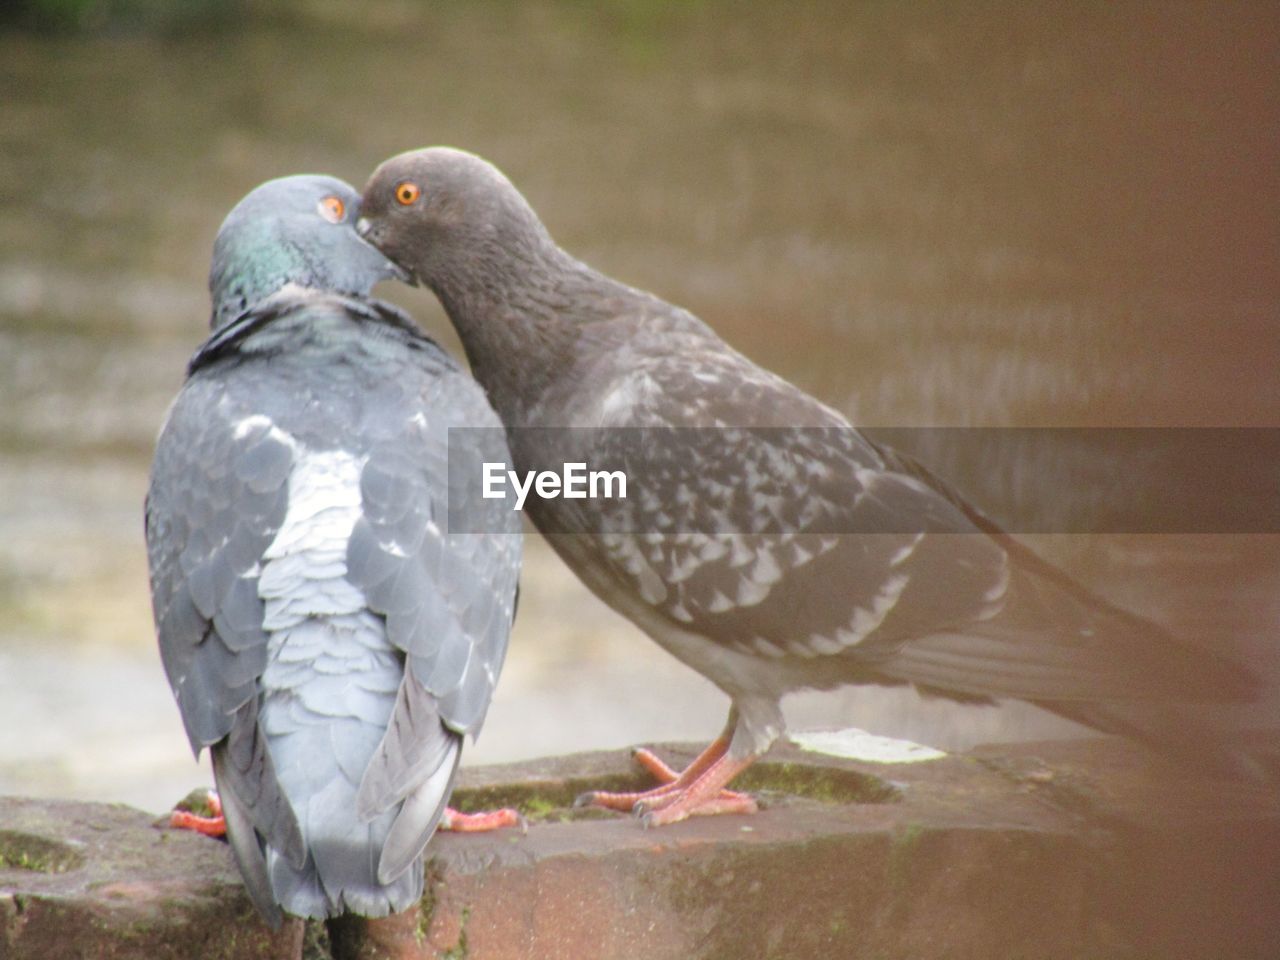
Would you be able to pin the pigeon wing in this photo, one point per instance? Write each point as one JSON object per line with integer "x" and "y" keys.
{"x": 448, "y": 599}
{"x": 868, "y": 565}
{"x": 217, "y": 497}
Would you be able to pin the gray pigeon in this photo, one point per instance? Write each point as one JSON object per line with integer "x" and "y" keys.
{"x": 975, "y": 617}
{"x": 324, "y": 634}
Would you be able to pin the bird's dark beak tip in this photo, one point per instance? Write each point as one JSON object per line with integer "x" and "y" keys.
{"x": 363, "y": 228}
{"x": 401, "y": 274}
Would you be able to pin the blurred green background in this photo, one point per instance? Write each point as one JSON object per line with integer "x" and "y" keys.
{"x": 953, "y": 214}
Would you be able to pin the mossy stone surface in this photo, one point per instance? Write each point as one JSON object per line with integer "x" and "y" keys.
{"x": 1054, "y": 851}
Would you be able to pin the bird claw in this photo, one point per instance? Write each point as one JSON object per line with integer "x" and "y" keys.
{"x": 622, "y": 802}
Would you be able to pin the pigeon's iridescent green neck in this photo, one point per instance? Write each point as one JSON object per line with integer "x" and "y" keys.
{"x": 258, "y": 264}
{"x": 295, "y": 230}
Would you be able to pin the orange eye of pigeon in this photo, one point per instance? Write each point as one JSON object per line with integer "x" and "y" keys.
{"x": 332, "y": 209}
{"x": 406, "y": 193}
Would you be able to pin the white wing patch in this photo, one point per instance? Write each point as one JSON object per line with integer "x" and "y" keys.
{"x": 247, "y": 425}
{"x": 327, "y": 654}
{"x": 305, "y": 568}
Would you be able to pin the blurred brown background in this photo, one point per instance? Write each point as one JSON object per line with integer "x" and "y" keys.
{"x": 969, "y": 214}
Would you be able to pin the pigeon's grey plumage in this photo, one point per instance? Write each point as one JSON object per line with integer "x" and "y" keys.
{"x": 325, "y": 635}
{"x": 974, "y": 617}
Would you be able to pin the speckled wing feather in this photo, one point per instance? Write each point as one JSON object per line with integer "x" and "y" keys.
{"x": 926, "y": 592}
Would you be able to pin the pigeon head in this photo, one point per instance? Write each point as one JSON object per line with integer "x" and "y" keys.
{"x": 450, "y": 217}
{"x": 298, "y": 230}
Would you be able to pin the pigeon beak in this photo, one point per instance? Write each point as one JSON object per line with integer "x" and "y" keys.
{"x": 398, "y": 272}
{"x": 393, "y": 269}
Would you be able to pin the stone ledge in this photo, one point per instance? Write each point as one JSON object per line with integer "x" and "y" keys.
{"x": 1071, "y": 849}
{"x": 103, "y": 881}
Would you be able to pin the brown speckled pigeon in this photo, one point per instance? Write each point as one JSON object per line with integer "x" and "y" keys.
{"x": 925, "y": 591}
{"x": 325, "y": 636}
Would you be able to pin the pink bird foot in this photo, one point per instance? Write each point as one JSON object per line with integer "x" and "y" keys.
{"x": 211, "y": 825}
{"x": 699, "y": 790}
{"x": 459, "y": 822}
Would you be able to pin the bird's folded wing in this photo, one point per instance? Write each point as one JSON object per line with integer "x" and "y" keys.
{"x": 218, "y": 495}
{"x": 448, "y": 600}
{"x": 870, "y": 558}
{"x": 775, "y": 526}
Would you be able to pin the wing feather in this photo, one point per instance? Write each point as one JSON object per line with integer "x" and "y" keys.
{"x": 448, "y": 601}
{"x": 781, "y": 531}
{"x": 203, "y": 547}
